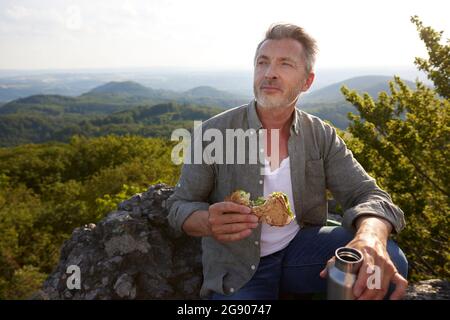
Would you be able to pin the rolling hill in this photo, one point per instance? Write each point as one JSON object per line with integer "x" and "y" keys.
{"x": 331, "y": 94}
{"x": 328, "y": 103}
{"x": 118, "y": 96}
{"x": 149, "y": 121}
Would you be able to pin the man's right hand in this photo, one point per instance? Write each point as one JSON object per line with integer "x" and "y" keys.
{"x": 229, "y": 221}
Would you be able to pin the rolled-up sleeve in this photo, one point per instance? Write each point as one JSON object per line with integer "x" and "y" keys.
{"x": 353, "y": 188}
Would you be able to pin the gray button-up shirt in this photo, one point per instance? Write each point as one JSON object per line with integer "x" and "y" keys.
{"x": 319, "y": 160}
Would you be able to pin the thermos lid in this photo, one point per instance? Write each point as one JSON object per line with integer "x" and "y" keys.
{"x": 348, "y": 259}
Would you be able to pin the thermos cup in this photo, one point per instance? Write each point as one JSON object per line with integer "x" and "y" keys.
{"x": 342, "y": 274}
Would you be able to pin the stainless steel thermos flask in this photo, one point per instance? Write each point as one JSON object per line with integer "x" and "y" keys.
{"x": 342, "y": 274}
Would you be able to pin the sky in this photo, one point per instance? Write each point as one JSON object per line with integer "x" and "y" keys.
{"x": 207, "y": 34}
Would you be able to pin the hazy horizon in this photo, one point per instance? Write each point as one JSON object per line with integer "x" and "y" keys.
{"x": 205, "y": 35}
{"x": 16, "y": 84}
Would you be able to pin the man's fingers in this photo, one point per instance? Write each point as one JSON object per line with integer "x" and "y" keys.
{"x": 386, "y": 277}
{"x": 230, "y": 221}
{"x": 401, "y": 284}
{"x": 379, "y": 293}
{"x": 230, "y": 212}
{"x": 371, "y": 294}
{"x": 324, "y": 272}
{"x": 361, "y": 281}
{"x": 236, "y": 218}
{"x": 363, "y": 291}
{"x": 233, "y": 228}
{"x": 229, "y": 206}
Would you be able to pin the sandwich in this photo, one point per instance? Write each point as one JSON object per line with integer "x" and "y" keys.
{"x": 275, "y": 210}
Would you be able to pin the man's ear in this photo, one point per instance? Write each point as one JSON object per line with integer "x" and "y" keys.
{"x": 308, "y": 82}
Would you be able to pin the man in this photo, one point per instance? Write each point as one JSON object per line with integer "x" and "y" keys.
{"x": 244, "y": 259}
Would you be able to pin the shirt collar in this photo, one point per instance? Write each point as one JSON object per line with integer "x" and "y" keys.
{"x": 295, "y": 125}
{"x": 255, "y": 123}
{"x": 253, "y": 119}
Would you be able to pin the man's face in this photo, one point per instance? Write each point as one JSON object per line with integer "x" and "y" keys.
{"x": 280, "y": 74}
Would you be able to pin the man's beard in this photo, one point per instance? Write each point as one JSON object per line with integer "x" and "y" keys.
{"x": 275, "y": 101}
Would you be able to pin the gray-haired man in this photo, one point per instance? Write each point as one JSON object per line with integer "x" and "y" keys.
{"x": 244, "y": 259}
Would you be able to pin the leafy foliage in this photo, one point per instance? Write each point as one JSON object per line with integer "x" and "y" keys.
{"x": 403, "y": 139}
{"x": 48, "y": 190}
{"x": 43, "y": 123}
{"x": 437, "y": 66}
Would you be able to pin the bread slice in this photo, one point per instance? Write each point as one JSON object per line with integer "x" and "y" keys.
{"x": 274, "y": 210}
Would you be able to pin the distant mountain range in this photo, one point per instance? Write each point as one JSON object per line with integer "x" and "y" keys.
{"x": 115, "y": 96}
{"x": 127, "y": 107}
{"x": 132, "y": 92}
{"x": 328, "y": 103}
{"x": 332, "y": 93}
{"x": 124, "y": 88}
{"x": 118, "y": 96}
{"x": 16, "y": 84}
{"x": 20, "y": 84}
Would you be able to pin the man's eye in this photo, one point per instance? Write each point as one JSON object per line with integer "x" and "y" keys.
{"x": 287, "y": 64}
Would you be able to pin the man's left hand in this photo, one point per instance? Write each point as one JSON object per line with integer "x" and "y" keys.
{"x": 371, "y": 239}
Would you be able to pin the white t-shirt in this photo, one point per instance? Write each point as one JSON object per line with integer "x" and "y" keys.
{"x": 273, "y": 238}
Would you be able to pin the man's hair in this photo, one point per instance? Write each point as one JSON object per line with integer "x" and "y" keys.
{"x": 291, "y": 31}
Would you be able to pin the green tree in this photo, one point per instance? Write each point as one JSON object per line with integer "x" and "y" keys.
{"x": 402, "y": 139}
{"x": 47, "y": 190}
{"x": 437, "y": 66}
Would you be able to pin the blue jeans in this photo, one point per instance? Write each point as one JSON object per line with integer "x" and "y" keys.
{"x": 296, "y": 268}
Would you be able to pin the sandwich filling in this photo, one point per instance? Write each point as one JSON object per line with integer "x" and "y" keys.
{"x": 275, "y": 210}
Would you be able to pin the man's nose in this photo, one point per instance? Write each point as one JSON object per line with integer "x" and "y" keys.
{"x": 271, "y": 71}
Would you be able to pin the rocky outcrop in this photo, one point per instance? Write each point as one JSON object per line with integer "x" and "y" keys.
{"x": 131, "y": 254}
{"x": 434, "y": 289}
{"x": 134, "y": 254}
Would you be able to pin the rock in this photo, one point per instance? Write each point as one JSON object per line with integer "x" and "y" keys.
{"x": 125, "y": 287}
{"x": 434, "y": 289}
{"x": 131, "y": 254}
